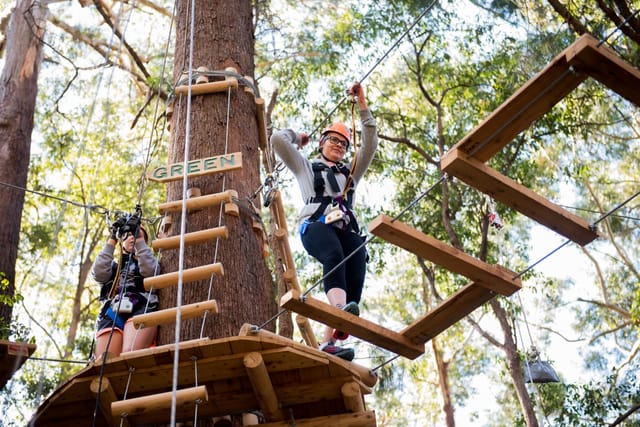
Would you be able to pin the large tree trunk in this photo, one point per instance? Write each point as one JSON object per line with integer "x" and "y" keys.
{"x": 223, "y": 38}
{"x": 18, "y": 88}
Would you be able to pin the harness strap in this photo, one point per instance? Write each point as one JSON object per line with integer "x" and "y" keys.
{"x": 325, "y": 201}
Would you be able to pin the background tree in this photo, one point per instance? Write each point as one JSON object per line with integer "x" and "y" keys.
{"x": 18, "y": 88}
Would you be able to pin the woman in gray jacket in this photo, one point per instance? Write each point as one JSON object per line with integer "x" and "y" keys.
{"x": 328, "y": 226}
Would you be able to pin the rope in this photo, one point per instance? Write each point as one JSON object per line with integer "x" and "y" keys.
{"x": 379, "y": 61}
{"x": 183, "y": 221}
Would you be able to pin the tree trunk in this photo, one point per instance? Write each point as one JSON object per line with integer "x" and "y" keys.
{"x": 514, "y": 365}
{"x": 443, "y": 383}
{"x": 18, "y": 89}
{"x": 223, "y": 38}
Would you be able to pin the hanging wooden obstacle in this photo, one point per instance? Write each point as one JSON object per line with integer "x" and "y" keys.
{"x": 356, "y": 326}
{"x": 163, "y": 317}
{"x": 586, "y": 57}
{"x": 12, "y": 356}
{"x": 240, "y": 374}
{"x": 493, "y": 277}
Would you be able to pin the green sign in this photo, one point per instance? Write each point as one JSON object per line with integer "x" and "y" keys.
{"x": 208, "y": 166}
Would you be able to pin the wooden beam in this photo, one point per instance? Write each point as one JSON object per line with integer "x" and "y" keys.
{"x": 491, "y": 276}
{"x": 207, "y": 88}
{"x": 193, "y": 238}
{"x": 605, "y": 65}
{"x": 353, "y": 400}
{"x": 189, "y": 275}
{"x": 158, "y": 402}
{"x": 525, "y": 106}
{"x": 262, "y": 386}
{"x": 361, "y": 419}
{"x": 262, "y": 124}
{"x": 162, "y": 317}
{"x": 197, "y": 203}
{"x": 356, "y": 326}
{"x": 517, "y": 196}
{"x": 106, "y": 397}
{"x": 450, "y": 311}
{"x": 305, "y": 330}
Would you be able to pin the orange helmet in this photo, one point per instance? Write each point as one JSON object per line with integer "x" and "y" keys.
{"x": 338, "y": 128}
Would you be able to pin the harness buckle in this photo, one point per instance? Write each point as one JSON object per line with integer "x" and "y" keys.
{"x": 336, "y": 214}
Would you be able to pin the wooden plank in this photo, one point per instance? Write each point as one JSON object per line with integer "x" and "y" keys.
{"x": 450, "y": 311}
{"x": 356, "y": 326}
{"x": 494, "y": 277}
{"x": 194, "y": 238}
{"x": 199, "y": 202}
{"x": 605, "y": 65}
{"x": 189, "y": 275}
{"x": 517, "y": 196}
{"x": 162, "y": 317}
{"x": 361, "y": 419}
{"x": 526, "y": 105}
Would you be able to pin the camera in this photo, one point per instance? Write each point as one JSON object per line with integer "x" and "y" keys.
{"x": 123, "y": 305}
{"x": 126, "y": 223}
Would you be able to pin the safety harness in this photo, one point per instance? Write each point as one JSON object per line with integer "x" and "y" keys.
{"x": 345, "y": 204}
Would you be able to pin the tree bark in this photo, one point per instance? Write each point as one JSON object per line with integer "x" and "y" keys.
{"x": 443, "y": 383}
{"x": 18, "y": 89}
{"x": 245, "y": 294}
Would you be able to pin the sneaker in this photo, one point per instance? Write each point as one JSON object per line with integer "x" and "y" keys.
{"x": 343, "y": 353}
{"x": 351, "y": 308}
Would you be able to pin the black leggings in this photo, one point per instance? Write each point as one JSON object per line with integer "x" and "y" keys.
{"x": 330, "y": 246}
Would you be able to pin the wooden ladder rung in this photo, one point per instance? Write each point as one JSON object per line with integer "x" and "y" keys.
{"x": 189, "y": 275}
{"x": 162, "y": 317}
{"x": 494, "y": 277}
{"x": 206, "y": 88}
{"x": 356, "y": 326}
{"x": 605, "y": 65}
{"x": 450, "y": 311}
{"x": 200, "y": 202}
{"x": 194, "y": 238}
{"x": 517, "y": 196}
{"x": 188, "y": 397}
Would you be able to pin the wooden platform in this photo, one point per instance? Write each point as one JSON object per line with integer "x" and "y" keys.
{"x": 12, "y": 356}
{"x": 306, "y": 383}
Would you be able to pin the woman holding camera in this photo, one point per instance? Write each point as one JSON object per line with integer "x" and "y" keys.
{"x": 122, "y": 292}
